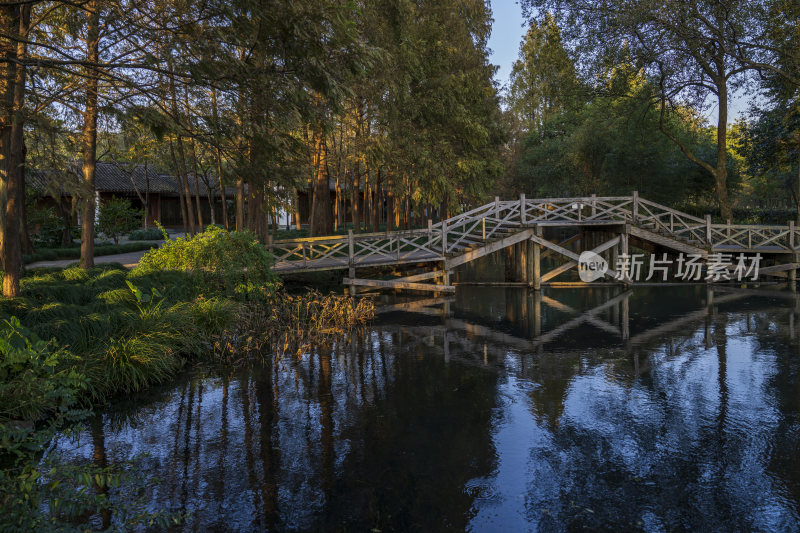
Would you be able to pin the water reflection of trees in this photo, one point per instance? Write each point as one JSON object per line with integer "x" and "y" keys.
{"x": 683, "y": 417}
{"x": 689, "y": 421}
{"x": 362, "y": 434}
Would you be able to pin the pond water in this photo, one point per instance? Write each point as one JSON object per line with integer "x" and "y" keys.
{"x": 660, "y": 408}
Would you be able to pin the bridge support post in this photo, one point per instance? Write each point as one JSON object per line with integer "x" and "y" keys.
{"x": 522, "y": 261}
{"x": 535, "y": 265}
{"x": 537, "y": 312}
{"x": 795, "y": 256}
{"x": 623, "y": 248}
{"x": 626, "y": 324}
{"x": 351, "y": 271}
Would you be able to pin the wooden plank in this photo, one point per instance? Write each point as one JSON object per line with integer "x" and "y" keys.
{"x": 488, "y": 249}
{"x": 555, "y": 247}
{"x": 425, "y": 275}
{"x": 666, "y": 241}
{"x": 417, "y": 306}
{"x": 559, "y": 270}
{"x": 394, "y": 284}
{"x": 778, "y": 268}
{"x": 573, "y": 263}
{"x": 565, "y": 242}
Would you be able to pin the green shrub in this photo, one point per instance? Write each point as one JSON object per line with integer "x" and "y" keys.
{"x": 35, "y": 377}
{"x": 214, "y": 315}
{"x": 40, "y": 388}
{"x": 117, "y": 218}
{"x": 234, "y": 262}
{"x": 47, "y": 227}
{"x": 149, "y": 234}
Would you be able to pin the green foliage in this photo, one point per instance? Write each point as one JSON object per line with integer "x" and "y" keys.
{"x": 54, "y": 496}
{"x": 36, "y": 378}
{"x": 214, "y": 315}
{"x": 117, "y": 218}
{"x": 233, "y": 261}
{"x": 543, "y": 80}
{"x": 149, "y": 234}
{"x": 47, "y": 227}
{"x": 611, "y": 145}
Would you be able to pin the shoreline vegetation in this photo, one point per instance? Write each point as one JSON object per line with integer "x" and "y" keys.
{"x": 77, "y": 338}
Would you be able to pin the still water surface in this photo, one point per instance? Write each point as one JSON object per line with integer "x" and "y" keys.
{"x": 495, "y": 410}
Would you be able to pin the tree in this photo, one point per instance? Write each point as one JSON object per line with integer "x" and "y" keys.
{"x": 693, "y": 50}
{"x": 89, "y": 133}
{"x": 543, "y": 80}
{"x": 117, "y": 218}
{"x": 771, "y": 136}
{"x": 611, "y": 145}
{"x": 16, "y": 18}
{"x": 543, "y": 84}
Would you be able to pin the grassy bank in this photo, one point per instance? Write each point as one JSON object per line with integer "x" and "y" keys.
{"x": 55, "y": 254}
{"x": 76, "y": 338}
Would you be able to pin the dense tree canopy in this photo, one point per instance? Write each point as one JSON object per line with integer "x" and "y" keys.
{"x": 392, "y": 104}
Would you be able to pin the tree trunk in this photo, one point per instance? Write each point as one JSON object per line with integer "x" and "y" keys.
{"x": 797, "y": 205}
{"x": 223, "y": 199}
{"x": 66, "y": 235}
{"x": 146, "y": 196}
{"x": 391, "y": 200}
{"x": 12, "y": 249}
{"x": 211, "y": 205}
{"x": 8, "y": 15}
{"x": 297, "y": 222}
{"x": 721, "y": 173}
{"x": 187, "y": 193}
{"x": 239, "y": 203}
{"x": 197, "y": 188}
{"x": 194, "y": 158}
{"x": 182, "y": 172}
{"x": 322, "y": 218}
{"x": 89, "y": 137}
{"x": 184, "y": 216}
{"x": 355, "y": 186}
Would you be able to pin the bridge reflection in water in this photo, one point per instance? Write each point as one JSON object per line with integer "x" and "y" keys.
{"x": 657, "y": 408}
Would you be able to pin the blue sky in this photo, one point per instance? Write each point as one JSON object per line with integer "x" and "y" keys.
{"x": 509, "y": 28}
{"x": 507, "y": 33}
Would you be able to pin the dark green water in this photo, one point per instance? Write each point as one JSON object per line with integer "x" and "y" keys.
{"x": 662, "y": 409}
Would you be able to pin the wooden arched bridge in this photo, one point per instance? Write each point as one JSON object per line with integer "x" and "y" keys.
{"x": 606, "y": 225}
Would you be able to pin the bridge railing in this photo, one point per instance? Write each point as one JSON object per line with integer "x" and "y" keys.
{"x": 351, "y": 250}
{"x": 663, "y": 219}
{"x": 752, "y": 237}
{"x": 578, "y": 209}
{"x": 500, "y": 217}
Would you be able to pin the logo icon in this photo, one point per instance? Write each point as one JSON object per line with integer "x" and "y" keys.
{"x": 591, "y": 266}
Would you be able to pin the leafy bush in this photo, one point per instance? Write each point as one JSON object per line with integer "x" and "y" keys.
{"x": 234, "y": 261}
{"x": 47, "y": 227}
{"x": 149, "y": 234}
{"x": 40, "y": 387}
{"x": 36, "y": 378}
{"x": 117, "y": 217}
